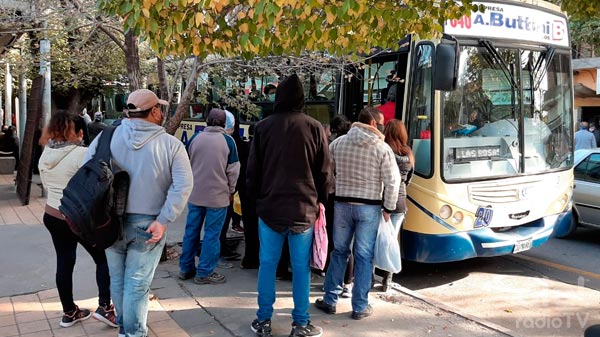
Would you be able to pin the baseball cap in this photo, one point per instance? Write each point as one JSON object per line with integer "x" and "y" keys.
{"x": 144, "y": 99}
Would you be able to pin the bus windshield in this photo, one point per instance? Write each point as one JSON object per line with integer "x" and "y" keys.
{"x": 507, "y": 101}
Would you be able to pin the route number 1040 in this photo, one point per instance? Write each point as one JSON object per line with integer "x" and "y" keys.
{"x": 464, "y": 22}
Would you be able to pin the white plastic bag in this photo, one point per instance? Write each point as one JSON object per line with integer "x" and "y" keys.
{"x": 387, "y": 248}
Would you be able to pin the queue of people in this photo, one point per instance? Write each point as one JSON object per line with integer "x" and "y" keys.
{"x": 359, "y": 171}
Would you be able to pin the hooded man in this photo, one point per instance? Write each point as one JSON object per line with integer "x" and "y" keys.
{"x": 367, "y": 182}
{"x": 161, "y": 182}
{"x": 287, "y": 176}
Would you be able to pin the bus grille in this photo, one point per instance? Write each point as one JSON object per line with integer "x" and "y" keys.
{"x": 499, "y": 193}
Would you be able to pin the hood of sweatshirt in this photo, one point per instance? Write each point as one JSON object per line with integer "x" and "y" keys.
{"x": 364, "y": 134}
{"x": 138, "y": 132}
{"x": 289, "y": 97}
{"x": 53, "y": 156}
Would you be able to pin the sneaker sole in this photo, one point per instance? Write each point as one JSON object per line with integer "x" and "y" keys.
{"x": 68, "y": 325}
{"x": 103, "y": 319}
{"x": 209, "y": 282}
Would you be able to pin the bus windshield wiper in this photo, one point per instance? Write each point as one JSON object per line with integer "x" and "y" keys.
{"x": 547, "y": 56}
{"x": 496, "y": 56}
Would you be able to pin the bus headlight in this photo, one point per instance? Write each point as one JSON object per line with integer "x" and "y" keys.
{"x": 445, "y": 212}
{"x": 457, "y": 218}
{"x": 564, "y": 199}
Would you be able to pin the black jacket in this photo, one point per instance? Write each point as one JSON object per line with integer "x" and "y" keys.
{"x": 288, "y": 168}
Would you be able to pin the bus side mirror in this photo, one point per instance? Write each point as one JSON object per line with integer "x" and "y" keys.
{"x": 446, "y": 66}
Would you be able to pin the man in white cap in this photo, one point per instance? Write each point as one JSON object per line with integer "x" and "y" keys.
{"x": 216, "y": 167}
{"x": 161, "y": 182}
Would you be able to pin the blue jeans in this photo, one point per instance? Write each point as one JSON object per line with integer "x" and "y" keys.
{"x": 270, "y": 251}
{"x": 360, "y": 222}
{"x": 132, "y": 263}
{"x": 397, "y": 220}
{"x": 211, "y": 246}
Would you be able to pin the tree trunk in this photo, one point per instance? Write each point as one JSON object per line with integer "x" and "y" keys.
{"x": 132, "y": 59}
{"x": 163, "y": 85}
{"x": 75, "y": 102}
{"x": 162, "y": 80}
{"x": 173, "y": 123}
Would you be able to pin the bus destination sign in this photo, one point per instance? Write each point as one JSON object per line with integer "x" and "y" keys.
{"x": 504, "y": 21}
{"x": 476, "y": 153}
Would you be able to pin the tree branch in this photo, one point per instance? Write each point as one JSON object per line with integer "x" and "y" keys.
{"x": 112, "y": 37}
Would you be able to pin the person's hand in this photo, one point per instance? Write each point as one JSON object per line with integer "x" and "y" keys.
{"x": 386, "y": 216}
{"x": 231, "y": 197}
{"x": 157, "y": 230}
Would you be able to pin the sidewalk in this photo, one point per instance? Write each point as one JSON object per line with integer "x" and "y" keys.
{"x": 182, "y": 308}
{"x": 38, "y": 315}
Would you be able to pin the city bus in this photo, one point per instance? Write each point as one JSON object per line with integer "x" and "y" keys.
{"x": 488, "y": 108}
{"x": 489, "y": 112}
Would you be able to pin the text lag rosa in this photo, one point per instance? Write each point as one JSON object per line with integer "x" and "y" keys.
{"x": 551, "y": 30}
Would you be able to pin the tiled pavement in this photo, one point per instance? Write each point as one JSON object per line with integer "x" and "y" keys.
{"x": 11, "y": 210}
{"x": 38, "y": 314}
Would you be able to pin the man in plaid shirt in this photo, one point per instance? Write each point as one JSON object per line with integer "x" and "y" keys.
{"x": 367, "y": 180}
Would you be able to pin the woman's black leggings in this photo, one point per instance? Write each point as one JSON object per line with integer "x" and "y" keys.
{"x": 65, "y": 245}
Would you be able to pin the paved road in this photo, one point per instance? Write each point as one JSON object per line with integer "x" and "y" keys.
{"x": 549, "y": 291}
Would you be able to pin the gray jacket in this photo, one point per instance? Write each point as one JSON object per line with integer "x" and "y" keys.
{"x": 215, "y": 166}
{"x": 406, "y": 172}
{"x": 160, "y": 172}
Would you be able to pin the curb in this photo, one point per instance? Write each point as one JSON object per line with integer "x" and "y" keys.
{"x": 485, "y": 323}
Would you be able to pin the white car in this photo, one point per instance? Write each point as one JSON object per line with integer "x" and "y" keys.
{"x": 586, "y": 189}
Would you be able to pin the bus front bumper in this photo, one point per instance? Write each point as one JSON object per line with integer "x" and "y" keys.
{"x": 437, "y": 248}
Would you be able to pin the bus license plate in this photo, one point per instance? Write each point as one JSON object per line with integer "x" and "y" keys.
{"x": 523, "y": 245}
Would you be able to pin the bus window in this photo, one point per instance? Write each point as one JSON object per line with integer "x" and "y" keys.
{"x": 547, "y": 106}
{"x": 420, "y": 110}
{"x": 482, "y": 125}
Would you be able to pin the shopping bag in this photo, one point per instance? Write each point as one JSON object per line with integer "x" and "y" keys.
{"x": 387, "y": 248}
{"x": 320, "y": 242}
{"x": 237, "y": 205}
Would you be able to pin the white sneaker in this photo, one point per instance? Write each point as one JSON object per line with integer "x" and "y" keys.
{"x": 347, "y": 291}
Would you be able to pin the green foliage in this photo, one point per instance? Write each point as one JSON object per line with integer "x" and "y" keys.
{"x": 581, "y": 9}
{"x": 586, "y": 32}
{"x": 250, "y": 28}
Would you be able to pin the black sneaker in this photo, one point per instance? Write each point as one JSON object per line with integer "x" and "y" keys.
{"x": 70, "y": 318}
{"x": 306, "y": 330}
{"x": 186, "y": 275}
{"x": 363, "y": 314}
{"x": 262, "y": 329}
{"x": 106, "y": 315}
{"x": 232, "y": 256}
{"x": 324, "y": 306}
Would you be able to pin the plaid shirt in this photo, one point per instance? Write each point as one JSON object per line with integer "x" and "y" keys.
{"x": 365, "y": 168}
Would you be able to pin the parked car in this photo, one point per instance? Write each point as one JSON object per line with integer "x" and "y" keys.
{"x": 586, "y": 189}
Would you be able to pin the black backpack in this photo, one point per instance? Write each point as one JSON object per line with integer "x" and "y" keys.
{"x": 95, "y": 199}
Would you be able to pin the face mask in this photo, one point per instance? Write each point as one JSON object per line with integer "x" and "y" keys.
{"x": 271, "y": 97}
{"x": 380, "y": 127}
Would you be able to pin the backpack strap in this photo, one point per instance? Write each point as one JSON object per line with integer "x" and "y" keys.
{"x": 103, "y": 149}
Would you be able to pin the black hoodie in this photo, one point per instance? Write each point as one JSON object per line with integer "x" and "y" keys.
{"x": 288, "y": 168}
